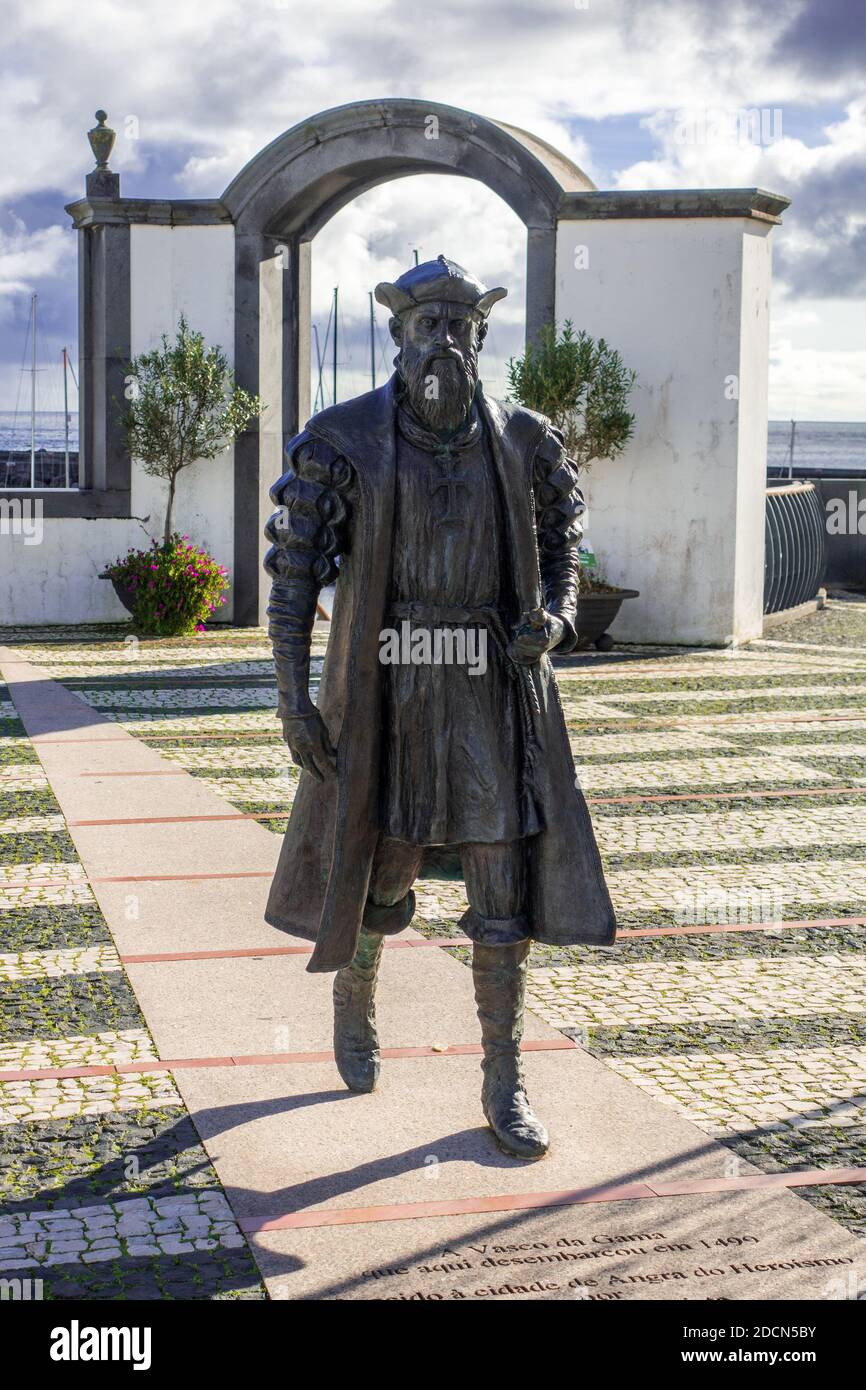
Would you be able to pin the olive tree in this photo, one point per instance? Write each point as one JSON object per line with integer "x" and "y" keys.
{"x": 582, "y": 385}
{"x": 184, "y": 405}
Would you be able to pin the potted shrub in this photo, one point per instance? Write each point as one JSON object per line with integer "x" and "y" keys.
{"x": 171, "y": 589}
{"x": 583, "y": 386}
{"x": 184, "y": 406}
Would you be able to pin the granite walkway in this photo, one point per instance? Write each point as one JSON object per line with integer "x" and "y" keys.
{"x": 402, "y": 1194}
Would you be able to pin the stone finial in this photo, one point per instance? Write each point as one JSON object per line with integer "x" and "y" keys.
{"x": 102, "y": 139}
{"x": 101, "y": 182}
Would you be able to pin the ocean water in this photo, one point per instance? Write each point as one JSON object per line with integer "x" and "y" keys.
{"x": 817, "y": 444}
{"x": 15, "y": 430}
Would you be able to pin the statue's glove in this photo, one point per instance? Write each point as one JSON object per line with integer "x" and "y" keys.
{"x": 537, "y": 633}
{"x": 291, "y": 611}
{"x": 310, "y": 743}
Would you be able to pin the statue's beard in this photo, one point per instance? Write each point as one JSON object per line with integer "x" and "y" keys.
{"x": 440, "y": 385}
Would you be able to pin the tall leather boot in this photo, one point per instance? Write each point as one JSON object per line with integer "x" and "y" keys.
{"x": 499, "y": 976}
{"x": 356, "y": 1045}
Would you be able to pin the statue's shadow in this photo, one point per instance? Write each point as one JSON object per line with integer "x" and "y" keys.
{"x": 475, "y": 1145}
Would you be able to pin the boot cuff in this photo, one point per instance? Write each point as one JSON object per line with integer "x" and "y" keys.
{"x": 390, "y": 919}
{"x": 495, "y": 931}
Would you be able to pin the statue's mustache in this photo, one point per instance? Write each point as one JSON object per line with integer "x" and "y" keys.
{"x": 445, "y": 355}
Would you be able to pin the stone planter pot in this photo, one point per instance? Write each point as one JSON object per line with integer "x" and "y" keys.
{"x": 124, "y": 593}
{"x": 595, "y": 613}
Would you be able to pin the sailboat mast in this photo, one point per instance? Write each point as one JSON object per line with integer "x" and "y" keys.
{"x": 65, "y": 417}
{"x": 320, "y": 361}
{"x": 335, "y": 344}
{"x": 33, "y": 391}
{"x": 372, "y": 342}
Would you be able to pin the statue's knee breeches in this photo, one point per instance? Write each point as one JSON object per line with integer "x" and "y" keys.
{"x": 495, "y": 876}
{"x": 390, "y": 904}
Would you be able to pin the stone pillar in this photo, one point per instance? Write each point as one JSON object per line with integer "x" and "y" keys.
{"x": 272, "y": 353}
{"x": 679, "y": 283}
{"x": 104, "y": 323}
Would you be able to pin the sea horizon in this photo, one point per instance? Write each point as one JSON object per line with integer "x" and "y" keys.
{"x": 818, "y": 444}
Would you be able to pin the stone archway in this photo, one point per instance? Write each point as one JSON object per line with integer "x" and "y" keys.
{"x": 286, "y": 194}
{"x": 677, "y": 279}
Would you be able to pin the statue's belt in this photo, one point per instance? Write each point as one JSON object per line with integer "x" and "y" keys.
{"x": 443, "y": 615}
{"x": 484, "y": 615}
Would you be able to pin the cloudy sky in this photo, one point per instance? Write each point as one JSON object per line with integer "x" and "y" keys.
{"x": 194, "y": 88}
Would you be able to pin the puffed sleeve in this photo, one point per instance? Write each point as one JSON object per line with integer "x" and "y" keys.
{"x": 310, "y": 528}
{"x": 559, "y": 512}
{"x": 308, "y": 533}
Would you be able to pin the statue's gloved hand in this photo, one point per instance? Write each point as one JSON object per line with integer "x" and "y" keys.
{"x": 309, "y": 743}
{"x": 539, "y": 632}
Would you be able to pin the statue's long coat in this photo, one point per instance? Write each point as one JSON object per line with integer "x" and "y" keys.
{"x": 320, "y": 885}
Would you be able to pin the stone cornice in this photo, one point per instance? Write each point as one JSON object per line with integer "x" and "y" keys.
{"x": 675, "y": 202}
{"x": 157, "y": 212}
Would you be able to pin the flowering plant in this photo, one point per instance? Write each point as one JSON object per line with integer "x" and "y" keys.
{"x": 171, "y": 589}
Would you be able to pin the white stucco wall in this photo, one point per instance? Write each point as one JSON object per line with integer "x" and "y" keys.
{"x": 679, "y": 515}
{"x": 186, "y": 270}
{"x": 189, "y": 269}
{"x": 271, "y": 465}
{"x": 56, "y": 580}
{"x": 752, "y": 439}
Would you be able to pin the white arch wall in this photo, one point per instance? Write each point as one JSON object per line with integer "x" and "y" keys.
{"x": 680, "y": 516}
{"x": 188, "y": 268}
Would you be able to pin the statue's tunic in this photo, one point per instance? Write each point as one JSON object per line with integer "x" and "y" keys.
{"x": 453, "y": 765}
{"x": 336, "y": 520}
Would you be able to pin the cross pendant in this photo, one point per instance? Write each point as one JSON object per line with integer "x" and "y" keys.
{"x": 450, "y": 481}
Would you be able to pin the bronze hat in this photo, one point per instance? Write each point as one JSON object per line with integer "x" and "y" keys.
{"x": 440, "y": 279}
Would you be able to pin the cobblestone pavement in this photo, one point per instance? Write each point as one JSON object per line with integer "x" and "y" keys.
{"x": 133, "y": 1226}
{"x": 727, "y": 789}
{"x": 105, "y": 1190}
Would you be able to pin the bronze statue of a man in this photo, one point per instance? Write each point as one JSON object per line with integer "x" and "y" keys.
{"x": 441, "y": 512}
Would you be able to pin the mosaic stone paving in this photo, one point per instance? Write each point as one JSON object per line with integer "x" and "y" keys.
{"x": 726, "y": 788}
{"x": 105, "y": 1190}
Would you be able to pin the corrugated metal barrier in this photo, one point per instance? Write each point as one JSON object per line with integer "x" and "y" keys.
{"x": 796, "y": 545}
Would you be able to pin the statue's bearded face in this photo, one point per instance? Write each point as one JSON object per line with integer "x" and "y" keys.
{"x": 439, "y": 346}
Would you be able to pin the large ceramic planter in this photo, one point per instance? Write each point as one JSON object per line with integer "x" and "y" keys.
{"x": 595, "y": 613}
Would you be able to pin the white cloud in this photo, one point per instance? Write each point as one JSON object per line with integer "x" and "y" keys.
{"x": 373, "y": 238}
{"x": 26, "y": 257}
{"x": 711, "y": 146}
{"x": 216, "y": 79}
{"x": 194, "y": 88}
{"x": 811, "y": 384}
